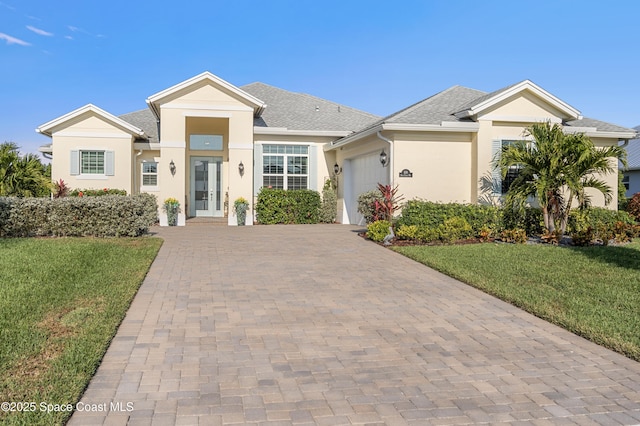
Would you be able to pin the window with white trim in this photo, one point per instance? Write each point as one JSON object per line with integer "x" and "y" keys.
{"x": 285, "y": 166}
{"x": 92, "y": 162}
{"x": 149, "y": 173}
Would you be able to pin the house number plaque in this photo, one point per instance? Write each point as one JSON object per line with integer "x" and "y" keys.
{"x": 405, "y": 173}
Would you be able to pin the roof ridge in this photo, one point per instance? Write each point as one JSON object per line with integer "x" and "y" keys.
{"x": 313, "y": 97}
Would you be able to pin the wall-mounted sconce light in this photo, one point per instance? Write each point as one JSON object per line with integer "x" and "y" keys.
{"x": 383, "y": 158}
{"x": 241, "y": 168}
{"x": 337, "y": 169}
{"x": 172, "y": 168}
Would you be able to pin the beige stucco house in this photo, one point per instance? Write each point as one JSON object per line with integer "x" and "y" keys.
{"x": 207, "y": 142}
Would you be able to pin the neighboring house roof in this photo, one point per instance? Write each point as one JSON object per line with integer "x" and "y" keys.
{"x": 299, "y": 111}
{"x": 633, "y": 152}
{"x": 47, "y": 128}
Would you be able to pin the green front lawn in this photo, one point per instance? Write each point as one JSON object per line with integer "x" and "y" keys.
{"x": 591, "y": 291}
{"x": 61, "y": 301}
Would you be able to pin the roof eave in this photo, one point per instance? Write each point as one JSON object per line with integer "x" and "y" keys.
{"x": 46, "y": 128}
{"x": 257, "y": 105}
{"x": 564, "y": 107}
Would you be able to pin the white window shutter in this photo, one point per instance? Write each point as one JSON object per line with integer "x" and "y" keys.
{"x": 108, "y": 163}
{"x": 257, "y": 168}
{"x": 74, "y": 165}
{"x": 312, "y": 180}
{"x": 496, "y": 173}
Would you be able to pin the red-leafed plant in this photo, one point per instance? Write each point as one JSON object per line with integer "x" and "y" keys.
{"x": 385, "y": 208}
{"x": 60, "y": 189}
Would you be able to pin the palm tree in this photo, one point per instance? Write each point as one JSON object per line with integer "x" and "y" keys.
{"x": 21, "y": 176}
{"x": 555, "y": 168}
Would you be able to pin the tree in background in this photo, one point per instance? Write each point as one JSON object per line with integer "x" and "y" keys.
{"x": 22, "y": 176}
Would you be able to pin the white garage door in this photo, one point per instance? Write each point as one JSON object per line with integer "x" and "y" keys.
{"x": 364, "y": 174}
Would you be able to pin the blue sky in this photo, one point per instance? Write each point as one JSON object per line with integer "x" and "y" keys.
{"x": 378, "y": 56}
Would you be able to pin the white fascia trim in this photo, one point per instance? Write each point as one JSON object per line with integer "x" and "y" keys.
{"x": 595, "y": 133}
{"x": 286, "y": 132}
{"x": 146, "y": 146}
{"x": 207, "y": 114}
{"x": 615, "y": 135}
{"x": 46, "y": 149}
{"x": 172, "y": 144}
{"x": 524, "y": 85}
{"x": 257, "y": 103}
{"x": 46, "y": 128}
{"x": 353, "y": 137}
{"x": 442, "y": 127}
{"x": 521, "y": 118}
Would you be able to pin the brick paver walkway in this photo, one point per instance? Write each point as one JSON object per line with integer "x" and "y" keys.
{"x": 313, "y": 325}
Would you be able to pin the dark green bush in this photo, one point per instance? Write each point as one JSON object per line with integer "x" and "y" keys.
{"x": 108, "y": 216}
{"x": 280, "y": 206}
{"x": 329, "y": 208}
{"x": 596, "y": 217}
{"x": 432, "y": 215}
{"x": 528, "y": 219}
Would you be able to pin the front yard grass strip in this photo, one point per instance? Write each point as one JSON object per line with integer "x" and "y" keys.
{"x": 593, "y": 292}
{"x": 61, "y": 301}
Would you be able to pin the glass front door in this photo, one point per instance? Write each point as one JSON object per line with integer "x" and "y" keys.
{"x": 206, "y": 187}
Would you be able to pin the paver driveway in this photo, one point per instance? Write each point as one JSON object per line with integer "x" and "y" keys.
{"x": 314, "y": 325}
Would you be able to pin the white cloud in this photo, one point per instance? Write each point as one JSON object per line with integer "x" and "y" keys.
{"x": 13, "y": 40}
{"x": 7, "y": 6}
{"x": 68, "y": 37}
{"x": 39, "y": 31}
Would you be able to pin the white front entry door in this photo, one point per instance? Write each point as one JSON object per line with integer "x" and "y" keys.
{"x": 206, "y": 187}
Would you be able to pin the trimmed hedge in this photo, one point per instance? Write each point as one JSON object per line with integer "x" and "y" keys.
{"x": 96, "y": 192}
{"x": 106, "y": 216}
{"x": 279, "y": 206}
{"x": 431, "y": 215}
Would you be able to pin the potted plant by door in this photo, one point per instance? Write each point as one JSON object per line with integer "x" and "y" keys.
{"x": 241, "y": 205}
{"x": 172, "y": 207}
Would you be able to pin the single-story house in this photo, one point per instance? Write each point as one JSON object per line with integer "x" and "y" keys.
{"x": 207, "y": 142}
{"x": 631, "y": 179}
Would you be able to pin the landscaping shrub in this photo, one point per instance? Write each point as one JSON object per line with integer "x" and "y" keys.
{"x": 367, "y": 204}
{"x": 432, "y": 215}
{"x": 633, "y": 206}
{"x": 377, "y": 230}
{"x": 454, "y": 229}
{"x": 96, "y": 192}
{"x": 529, "y": 219}
{"x": 517, "y": 236}
{"x": 108, "y": 216}
{"x": 279, "y": 206}
{"x": 597, "y": 224}
{"x": 329, "y": 207}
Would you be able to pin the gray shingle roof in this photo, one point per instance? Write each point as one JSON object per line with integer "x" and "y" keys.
{"x": 484, "y": 97}
{"x": 600, "y": 125}
{"x": 299, "y": 111}
{"x": 633, "y": 152}
{"x": 145, "y": 120}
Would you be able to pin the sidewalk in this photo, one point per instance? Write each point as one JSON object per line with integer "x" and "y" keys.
{"x": 311, "y": 324}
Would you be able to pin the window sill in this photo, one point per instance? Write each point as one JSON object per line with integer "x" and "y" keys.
{"x": 92, "y": 177}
